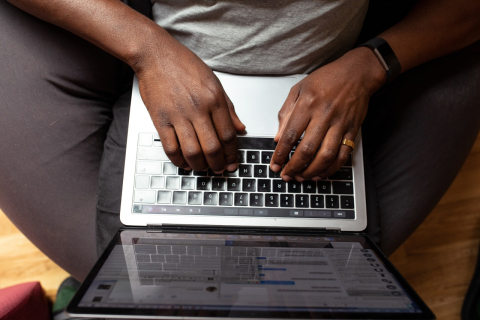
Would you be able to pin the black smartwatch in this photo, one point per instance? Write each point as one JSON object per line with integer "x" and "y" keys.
{"x": 386, "y": 56}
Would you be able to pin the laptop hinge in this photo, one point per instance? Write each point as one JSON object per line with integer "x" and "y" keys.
{"x": 154, "y": 228}
{"x": 237, "y": 229}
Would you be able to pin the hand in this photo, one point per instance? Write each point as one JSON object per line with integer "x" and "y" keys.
{"x": 192, "y": 113}
{"x": 328, "y": 105}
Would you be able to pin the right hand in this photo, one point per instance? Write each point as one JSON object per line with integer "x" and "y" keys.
{"x": 192, "y": 113}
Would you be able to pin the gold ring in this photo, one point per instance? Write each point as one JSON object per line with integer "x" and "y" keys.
{"x": 349, "y": 143}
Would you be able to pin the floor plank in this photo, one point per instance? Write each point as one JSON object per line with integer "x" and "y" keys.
{"x": 438, "y": 259}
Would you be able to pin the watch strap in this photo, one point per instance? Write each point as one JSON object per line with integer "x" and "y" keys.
{"x": 386, "y": 56}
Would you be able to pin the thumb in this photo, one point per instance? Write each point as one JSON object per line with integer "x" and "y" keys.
{"x": 285, "y": 112}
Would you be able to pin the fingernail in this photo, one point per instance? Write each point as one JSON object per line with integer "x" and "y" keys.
{"x": 286, "y": 178}
{"x": 299, "y": 179}
{"x": 275, "y": 167}
{"x": 232, "y": 167}
{"x": 187, "y": 168}
{"x": 316, "y": 178}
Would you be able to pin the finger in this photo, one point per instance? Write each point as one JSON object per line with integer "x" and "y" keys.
{"x": 227, "y": 136}
{"x": 327, "y": 153}
{"x": 286, "y": 111}
{"x": 171, "y": 147}
{"x": 292, "y": 131}
{"x": 191, "y": 150}
{"x": 343, "y": 155}
{"x": 306, "y": 150}
{"x": 211, "y": 146}
{"x": 239, "y": 126}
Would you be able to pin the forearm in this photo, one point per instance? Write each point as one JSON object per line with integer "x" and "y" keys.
{"x": 109, "y": 24}
{"x": 433, "y": 29}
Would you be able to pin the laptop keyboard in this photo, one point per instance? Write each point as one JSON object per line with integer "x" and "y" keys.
{"x": 252, "y": 190}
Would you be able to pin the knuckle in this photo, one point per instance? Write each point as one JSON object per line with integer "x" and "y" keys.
{"x": 192, "y": 153}
{"x": 228, "y": 137}
{"x": 290, "y": 136}
{"x": 170, "y": 150}
{"x": 328, "y": 155}
{"x": 343, "y": 157}
{"x": 213, "y": 150}
{"x": 307, "y": 149}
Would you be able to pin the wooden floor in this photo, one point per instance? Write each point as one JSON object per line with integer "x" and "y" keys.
{"x": 438, "y": 259}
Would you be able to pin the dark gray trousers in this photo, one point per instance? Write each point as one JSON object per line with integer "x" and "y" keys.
{"x": 64, "y": 112}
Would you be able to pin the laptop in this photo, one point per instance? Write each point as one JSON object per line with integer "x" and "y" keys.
{"x": 241, "y": 244}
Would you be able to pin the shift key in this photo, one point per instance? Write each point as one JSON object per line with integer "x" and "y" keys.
{"x": 340, "y": 187}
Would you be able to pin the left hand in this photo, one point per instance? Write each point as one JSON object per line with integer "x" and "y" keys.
{"x": 329, "y": 105}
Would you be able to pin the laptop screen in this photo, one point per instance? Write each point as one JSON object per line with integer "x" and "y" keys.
{"x": 243, "y": 276}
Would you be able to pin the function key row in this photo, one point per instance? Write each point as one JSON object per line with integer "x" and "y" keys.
{"x": 247, "y": 185}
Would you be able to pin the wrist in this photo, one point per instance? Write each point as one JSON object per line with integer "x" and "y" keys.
{"x": 373, "y": 75}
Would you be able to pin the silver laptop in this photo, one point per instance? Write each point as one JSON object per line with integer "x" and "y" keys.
{"x": 243, "y": 244}
{"x": 155, "y": 192}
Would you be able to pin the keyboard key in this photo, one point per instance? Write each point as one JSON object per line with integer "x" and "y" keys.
{"x": 279, "y": 186}
{"x": 294, "y": 186}
{"x": 245, "y": 212}
{"x": 145, "y": 139}
{"x": 157, "y": 182}
{"x": 258, "y": 212}
{"x": 147, "y": 196}
{"x": 301, "y": 201}
{"x": 331, "y": 201}
{"x": 317, "y": 201}
{"x": 233, "y": 184}
{"x": 340, "y": 187}
{"x": 149, "y": 153}
{"x": 203, "y": 184}
{"x": 339, "y": 214}
{"x": 188, "y": 183}
{"x": 309, "y": 186}
{"x": 194, "y": 198}
{"x": 142, "y": 182}
{"x": 264, "y": 185}
{"x": 260, "y": 171}
{"x": 213, "y": 174}
{"x": 241, "y": 156}
{"x": 179, "y": 197}
{"x": 210, "y": 198}
{"x": 249, "y": 185}
{"x": 149, "y": 167}
{"x": 230, "y": 212}
{"x": 346, "y": 202}
{"x": 164, "y": 197}
{"x": 256, "y": 199}
{"x": 253, "y": 156}
{"x": 286, "y": 200}
{"x": 342, "y": 174}
{"x": 200, "y": 173}
{"x": 183, "y": 172}
{"x": 173, "y": 183}
{"x": 272, "y": 174}
{"x": 241, "y": 199}
{"x": 324, "y": 186}
{"x": 218, "y": 184}
{"x": 169, "y": 168}
{"x": 230, "y": 173}
{"x": 271, "y": 200}
{"x": 296, "y": 213}
{"x": 226, "y": 199}
{"x": 245, "y": 170}
{"x": 267, "y": 156}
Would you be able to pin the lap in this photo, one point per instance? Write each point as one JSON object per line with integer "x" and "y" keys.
{"x": 56, "y": 98}
{"x": 417, "y": 136}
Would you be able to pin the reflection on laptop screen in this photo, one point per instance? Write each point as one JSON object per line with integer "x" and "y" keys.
{"x": 245, "y": 272}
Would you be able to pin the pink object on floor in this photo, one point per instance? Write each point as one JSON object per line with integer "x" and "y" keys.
{"x": 24, "y": 301}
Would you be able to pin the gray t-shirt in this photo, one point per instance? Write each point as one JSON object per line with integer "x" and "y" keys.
{"x": 263, "y": 36}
